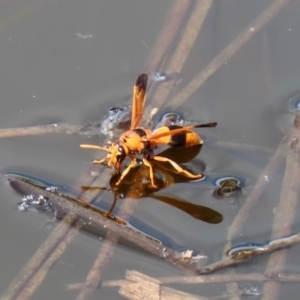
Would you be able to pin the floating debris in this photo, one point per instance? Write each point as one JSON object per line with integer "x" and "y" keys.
{"x": 39, "y": 203}
{"x": 84, "y": 36}
{"x": 227, "y": 187}
{"x": 187, "y": 255}
{"x": 245, "y": 251}
{"x": 163, "y": 77}
{"x": 51, "y": 189}
{"x": 117, "y": 118}
{"x": 252, "y": 291}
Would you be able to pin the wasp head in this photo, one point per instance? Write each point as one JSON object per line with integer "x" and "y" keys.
{"x": 117, "y": 152}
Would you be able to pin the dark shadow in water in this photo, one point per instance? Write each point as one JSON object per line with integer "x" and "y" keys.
{"x": 164, "y": 176}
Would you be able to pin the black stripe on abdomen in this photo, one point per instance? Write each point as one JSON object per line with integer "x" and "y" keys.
{"x": 178, "y": 139}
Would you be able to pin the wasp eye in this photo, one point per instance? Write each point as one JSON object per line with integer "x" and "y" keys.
{"x": 121, "y": 154}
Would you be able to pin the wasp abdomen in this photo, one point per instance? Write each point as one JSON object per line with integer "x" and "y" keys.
{"x": 189, "y": 138}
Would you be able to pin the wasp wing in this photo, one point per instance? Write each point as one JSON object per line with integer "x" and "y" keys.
{"x": 138, "y": 101}
{"x": 181, "y": 130}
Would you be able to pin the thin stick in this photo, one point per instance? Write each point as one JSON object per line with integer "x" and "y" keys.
{"x": 66, "y": 203}
{"x": 35, "y": 262}
{"x": 286, "y": 209}
{"x": 261, "y": 184}
{"x": 228, "y": 52}
{"x": 38, "y": 130}
{"x": 168, "y": 34}
{"x": 41, "y": 272}
{"x": 219, "y": 278}
{"x": 215, "y": 278}
{"x": 139, "y": 286}
{"x": 106, "y": 252}
{"x": 35, "y": 270}
{"x": 233, "y": 146}
{"x": 177, "y": 61}
{"x": 183, "y": 48}
{"x": 104, "y": 256}
{"x": 251, "y": 201}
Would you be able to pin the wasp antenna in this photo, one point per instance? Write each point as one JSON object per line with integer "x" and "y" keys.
{"x": 93, "y": 147}
{"x": 213, "y": 124}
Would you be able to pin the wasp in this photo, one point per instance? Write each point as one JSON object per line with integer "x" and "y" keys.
{"x": 143, "y": 141}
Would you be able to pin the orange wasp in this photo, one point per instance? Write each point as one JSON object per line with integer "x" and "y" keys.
{"x": 142, "y": 141}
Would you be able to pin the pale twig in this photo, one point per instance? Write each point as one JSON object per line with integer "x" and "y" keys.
{"x": 242, "y": 255}
{"x": 168, "y": 34}
{"x": 285, "y": 212}
{"x": 42, "y": 270}
{"x": 228, "y": 52}
{"x": 94, "y": 215}
{"x": 233, "y": 146}
{"x": 107, "y": 250}
{"x": 255, "y": 195}
{"x": 177, "y": 60}
{"x": 35, "y": 270}
{"x": 38, "y": 130}
{"x": 33, "y": 265}
{"x": 215, "y": 278}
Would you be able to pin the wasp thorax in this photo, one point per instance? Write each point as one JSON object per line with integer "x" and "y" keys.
{"x": 134, "y": 139}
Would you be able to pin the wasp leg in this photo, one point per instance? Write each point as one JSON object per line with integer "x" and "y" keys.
{"x": 178, "y": 168}
{"x": 99, "y": 161}
{"x": 146, "y": 162}
{"x": 131, "y": 165}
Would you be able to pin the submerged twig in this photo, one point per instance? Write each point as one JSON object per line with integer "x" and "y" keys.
{"x": 138, "y": 286}
{"x": 215, "y": 278}
{"x": 107, "y": 250}
{"x": 185, "y": 44}
{"x": 168, "y": 34}
{"x": 41, "y": 271}
{"x": 244, "y": 212}
{"x": 255, "y": 195}
{"x": 279, "y": 241}
{"x": 285, "y": 212}
{"x": 78, "y": 208}
{"x": 250, "y": 252}
{"x": 228, "y": 52}
{"x": 35, "y": 270}
{"x": 38, "y": 130}
{"x": 64, "y": 128}
{"x": 34, "y": 263}
{"x": 233, "y": 146}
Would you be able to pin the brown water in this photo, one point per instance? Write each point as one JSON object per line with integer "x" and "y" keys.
{"x": 70, "y": 61}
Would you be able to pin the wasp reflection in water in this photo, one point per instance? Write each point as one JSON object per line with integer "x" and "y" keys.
{"x": 136, "y": 185}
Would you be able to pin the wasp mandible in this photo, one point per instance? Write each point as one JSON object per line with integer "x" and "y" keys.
{"x": 142, "y": 141}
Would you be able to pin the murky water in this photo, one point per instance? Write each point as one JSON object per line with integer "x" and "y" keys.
{"x": 70, "y": 61}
